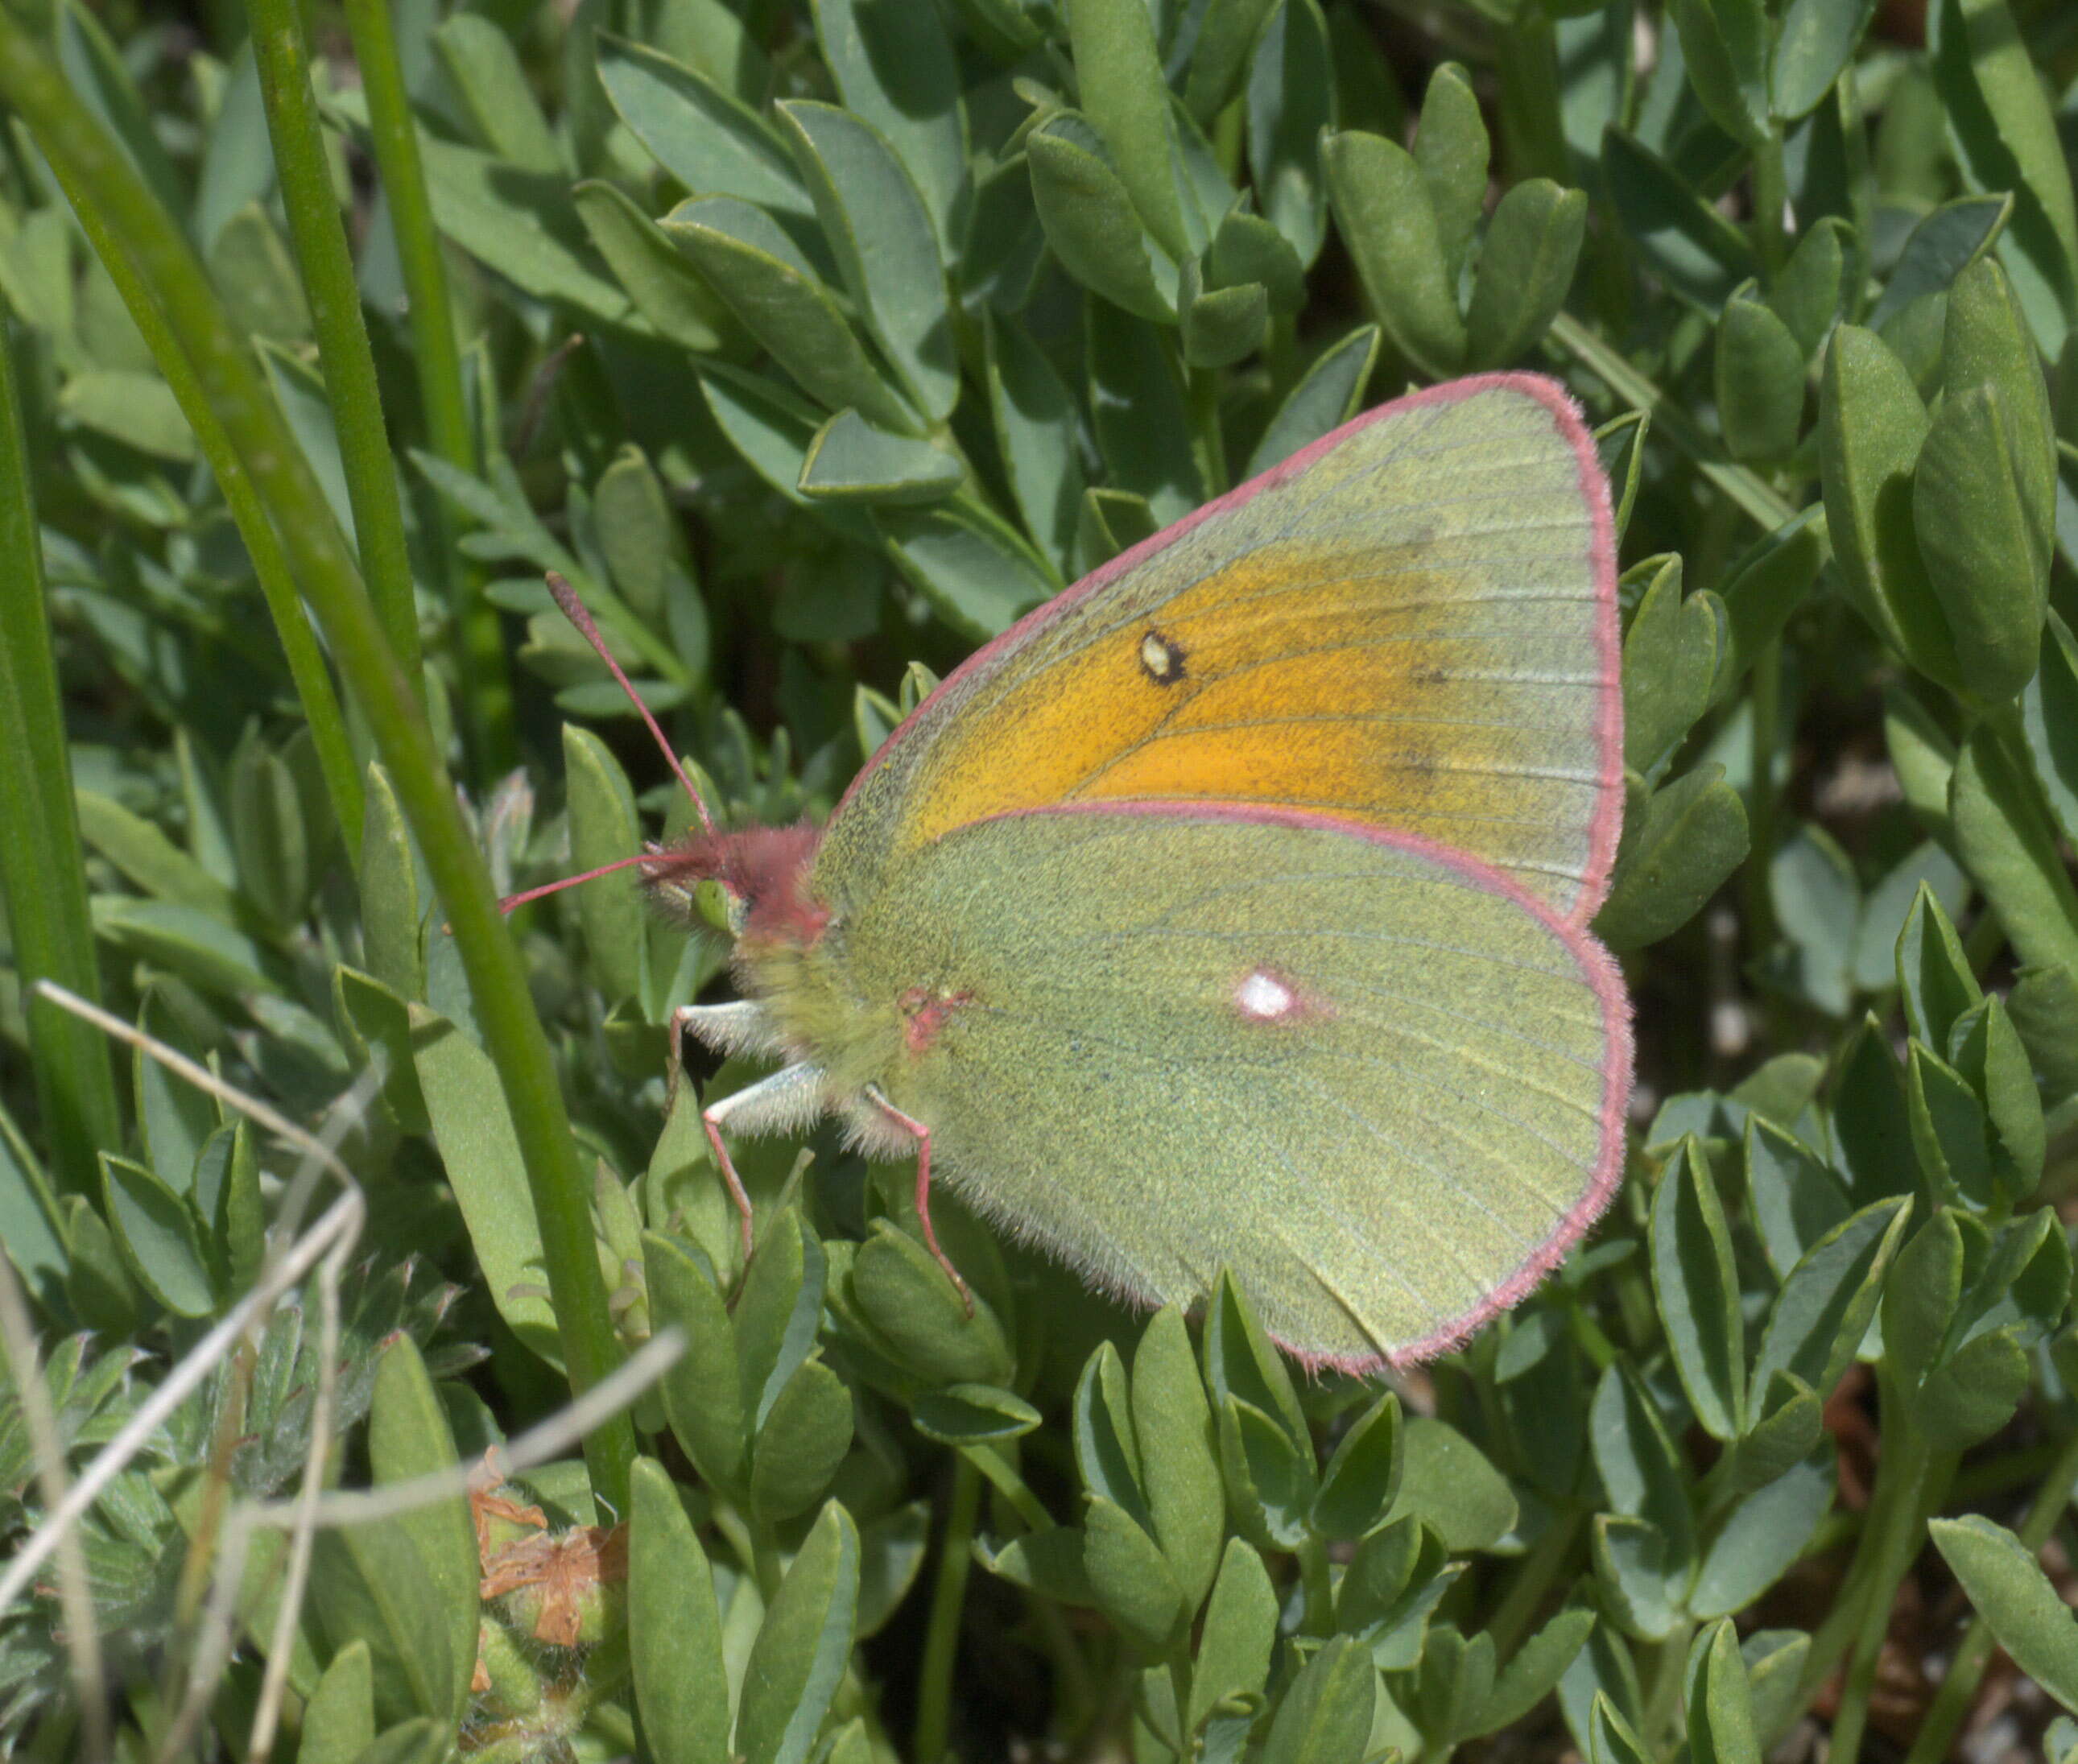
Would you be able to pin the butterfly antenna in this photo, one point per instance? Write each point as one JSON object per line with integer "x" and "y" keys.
{"x": 574, "y": 611}
{"x": 511, "y": 901}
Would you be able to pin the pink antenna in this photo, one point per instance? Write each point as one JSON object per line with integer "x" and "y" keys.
{"x": 574, "y": 611}
{"x": 512, "y": 902}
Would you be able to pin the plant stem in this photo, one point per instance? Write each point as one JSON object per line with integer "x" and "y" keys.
{"x": 329, "y": 739}
{"x": 1959, "y": 1689}
{"x": 1319, "y": 1587}
{"x": 1210, "y": 440}
{"x": 1771, "y": 197}
{"x": 1765, "y": 505}
{"x": 1533, "y": 1579}
{"x": 1765, "y": 736}
{"x": 486, "y": 687}
{"x": 74, "y": 142}
{"x": 1002, "y": 1476}
{"x": 344, "y": 352}
{"x": 41, "y": 872}
{"x": 942, "y": 1636}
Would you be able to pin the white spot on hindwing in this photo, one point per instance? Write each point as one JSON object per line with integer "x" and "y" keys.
{"x": 1161, "y": 658}
{"x": 1263, "y": 998}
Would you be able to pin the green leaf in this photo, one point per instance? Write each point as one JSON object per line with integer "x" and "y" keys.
{"x": 371, "y": 1584}
{"x": 1326, "y": 1714}
{"x": 2025, "y": 1612}
{"x": 1382, "y": 206}
{"x": 802, "y": 1646}
{"x": 1641, "y": 1589}
{"x": 1823, "y": 1310}
{"x": 1087, "y": 212}
{"x": 1934, "y": 975}
{"x": 674, "y": 1628}
{"x": 1920, "y": 1296}
{"x": 1233, "y": 1658}
{"x": 1327, "y": 396}
{"x": 1361, "y": 1479}
{"x": 1119, "y": 71}
{"x": 2049, "y": 722}
{"x": 339, "y": 1720}
{"x": 390, "y": 902}
{"x": 969, "y": 1414}
{"x": 666, "y": 289}
{"x": 1227, "y": 35}
{"x": 748, "y": 262}
{"x": 1172, "y": 1424}
{"x": 1697, "y": 1287}
{"x": 1526, "y": 264}
{"x": 850, "y": 460}
{"x": 1240, "y": 1362}
{"x": 978, "y": 576}
{"x": 175, "y": 1117}
{"x": 1945, "y": 244}
{"x": 1449, "y": 1485}
{"x": 702, "y": 1389}
{"x": 1129, "y": 1575}
{"x": 1985, "y": 540}
{"x": 1872, "y": 1140}
{"x": 1110, "y": 522}
{"x": 904, "y": 1294}
{"x": 1291, "y": 101}
{"x": 704, "y": 136}
{"x": 2008, "y": 842}
{"x": 1107, "y": 1452}
{"x": 1643, "y": 1474}
{"x": 800, "y": 1442}
{"x": 1721, "y": 1717}
{"x": 1451, "y": 151}
{"x": 1038, "y": 433}
{"x": 604, "y": 827}
{"x": 1760, "y": 590}
{"x": 1611, "y": 1739}
{"x": 1755, "y": 1544}
{"x": 885, "y": 244}
{"x": 481, "y": 1154}
{"x": 1698, "y": 253}
{"x": 485, "y": 73}
{"x": 1690, "y": 836}
{"x": 1976, "y": 1391}
{"x": 1534, "y": 1669}
{"x": 1810, "y": 293}
{"x": 1816, "y": 40}
{"x": 1136, "y": 406}
{"x": 896, "y": 68}
{"x": 1670, "y": 660}
{"x": 408, "y": 1436}
{"x": 268, "y": 834}
{"x": 1870, "y": 427}
{"x": 1759, "y": 382}
{"x": 1221, "y": 326}
{"x": 2004, "y": 133}
{"x": 1724, "y": 44}
{"x": 157, "y": 1236}
{"x": 139, "y": 410}
{"x": 1247, "y": 248}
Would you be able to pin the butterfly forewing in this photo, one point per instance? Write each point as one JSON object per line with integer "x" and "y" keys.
{"x": 1411, "y": 625}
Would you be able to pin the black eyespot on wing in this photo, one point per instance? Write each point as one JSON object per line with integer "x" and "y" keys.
{"x": 1161, "y": 657}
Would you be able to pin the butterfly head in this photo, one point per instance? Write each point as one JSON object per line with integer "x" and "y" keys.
{"x": 751, "y": 884}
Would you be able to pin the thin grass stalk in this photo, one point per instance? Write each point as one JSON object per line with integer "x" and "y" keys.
{"x": 68, "y": 136}
{"x": 485, "y": 696}
{"x": 41, "y": 872}
{"x": 345, "y": 353}
{"x": 329, "y": 740}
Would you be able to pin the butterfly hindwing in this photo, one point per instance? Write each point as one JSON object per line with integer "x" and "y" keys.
{"x": 1379, "y": 1081}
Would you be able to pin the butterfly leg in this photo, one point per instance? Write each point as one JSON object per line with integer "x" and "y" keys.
{"x": 922, "y": 1135}
{"x": 739, "y": 1026}
{"x": 790, "y": 1097}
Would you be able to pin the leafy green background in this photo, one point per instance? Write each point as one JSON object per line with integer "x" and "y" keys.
{"x": 814, "y": 345}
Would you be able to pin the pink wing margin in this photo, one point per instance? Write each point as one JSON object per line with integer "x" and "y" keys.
{"x": 1606, "y": 824}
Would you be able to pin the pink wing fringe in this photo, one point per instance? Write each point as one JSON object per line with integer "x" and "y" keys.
{"x": 1603, "y": 830}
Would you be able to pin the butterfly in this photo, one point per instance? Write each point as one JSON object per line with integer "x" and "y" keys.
{"x": 1230, "y": 909}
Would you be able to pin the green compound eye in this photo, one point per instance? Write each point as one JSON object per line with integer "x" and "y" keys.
{"x": 714, "y": 902}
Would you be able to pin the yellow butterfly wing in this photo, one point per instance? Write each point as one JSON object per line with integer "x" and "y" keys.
{"x": 1411, "y": 624}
